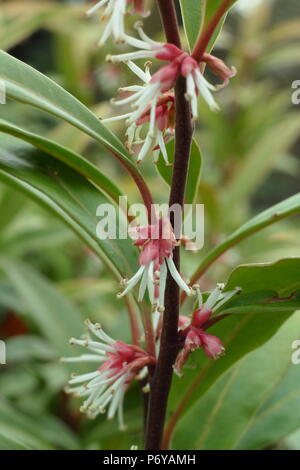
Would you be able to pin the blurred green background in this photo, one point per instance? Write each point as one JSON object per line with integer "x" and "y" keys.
{"x": 49, "y": 281}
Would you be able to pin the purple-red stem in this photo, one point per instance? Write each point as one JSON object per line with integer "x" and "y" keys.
{"x": 142, "y": 186}
{"x": 161, "y": 380}
{"x": 177, "y": 413}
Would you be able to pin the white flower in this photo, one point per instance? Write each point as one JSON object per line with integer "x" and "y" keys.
{"x": 113, "y": 14}
{"x": 155, "y": 114}
{"x": 195, "y": 84}
{"x": 156, "y": 258}
{"x": 119, "y": 363}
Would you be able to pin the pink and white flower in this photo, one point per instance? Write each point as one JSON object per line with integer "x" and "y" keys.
{"x": 195, "y": 84}
{"x": 157, "y": 243}
{"x": 114, "y": 13}
{"x": 180, "y": 63}
{"x": 105, "y": 387}
{"x": 193, "y": 330}
{"x": 157, "y": 117}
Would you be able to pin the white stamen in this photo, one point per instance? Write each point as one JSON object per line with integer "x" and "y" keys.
{"x": 96, "y": 7}
{"x": 145, "y": 148}
{"x": 83, "y": 377}
{"x": 162, "y": 283}
{"x": 143, "y": 54}
{"x": 143, "y": 284}
{"x": 204, "y": 88}
{"x": 226, "y": 297}
{"x": 177, "y": 277}
{"x": 133, "y": 281}
{"x": 151, "y": 282}
{"x": 214, "y": 297}
{"x": 84, "y": 358}
{"x": 162, "y": 147}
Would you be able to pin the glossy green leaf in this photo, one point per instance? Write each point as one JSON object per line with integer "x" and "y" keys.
{"x": 278, "y": 416}
{"x": 70, "y": 196}
{"x": 265, "y": 287}
{"x": 27, "y": 85}
{"x": 193, "y": 16}
{"x": 240, "y": 335}
{"x": 194, "y": 171}
{"x": 36, "y": 430}
{"x": 286, "y": 208}
{"x": 10, "y": 440}
{"x": 70, "y": 158}
{"x": 196, "y": 17}
{"x": 223, "y": 416}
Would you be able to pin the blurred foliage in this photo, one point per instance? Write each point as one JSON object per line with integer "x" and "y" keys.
{"x": 50, "y": 282}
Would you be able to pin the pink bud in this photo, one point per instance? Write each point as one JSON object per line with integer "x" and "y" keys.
{"x": 219, "y": 68}
{"x": 181, "y": 359}
{"x": 162, "y": 118}
{"x": 212, "y": 345}
{"x": 168, "y": 52}
{"x": 201, "y": 316}
{"x": 193, "y": 339}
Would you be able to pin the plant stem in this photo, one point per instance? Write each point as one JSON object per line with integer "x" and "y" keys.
{"x": 188, "y": 393}
{"x": 141, "y": 184}
{"x": 161, "y": 380}
{"x": 169, "y": 20}
{"x": 133, "y": 319}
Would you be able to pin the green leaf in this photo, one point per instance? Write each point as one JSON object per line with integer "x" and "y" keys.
{"x": 193, "y": 16}
{"x": 12, "y": 437}
{"x": 278, "y": 415}
{"x": 268, "y": 287}
{"x": 221, "y": 418}
{"x": 56, "y": 316}
{"x": 70, "y": 158}
{"x": 11, "y": 204}
{"x": 70, "y": 196}
{"x": 194, "y": 171}
{"x": 197, "y": 15}
{"x": 27, "y": 85}
{"x": 240, "y": 335}
{"x": 13, "y": 441}
{"x": 286, "y": 208}
{"x": 43, "y": 431}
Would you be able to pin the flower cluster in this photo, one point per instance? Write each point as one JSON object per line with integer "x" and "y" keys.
{"x": 150, "y": 124}
{"x": 193, "y": 330}
{"x": 120, "y": 364}
{"x": 157, "y": 242}
{"x": 146, "y": 101}
{"x": 157, "y": 116}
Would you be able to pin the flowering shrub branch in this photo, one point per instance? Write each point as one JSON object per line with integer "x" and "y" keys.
{"x": 162, "y": 107}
